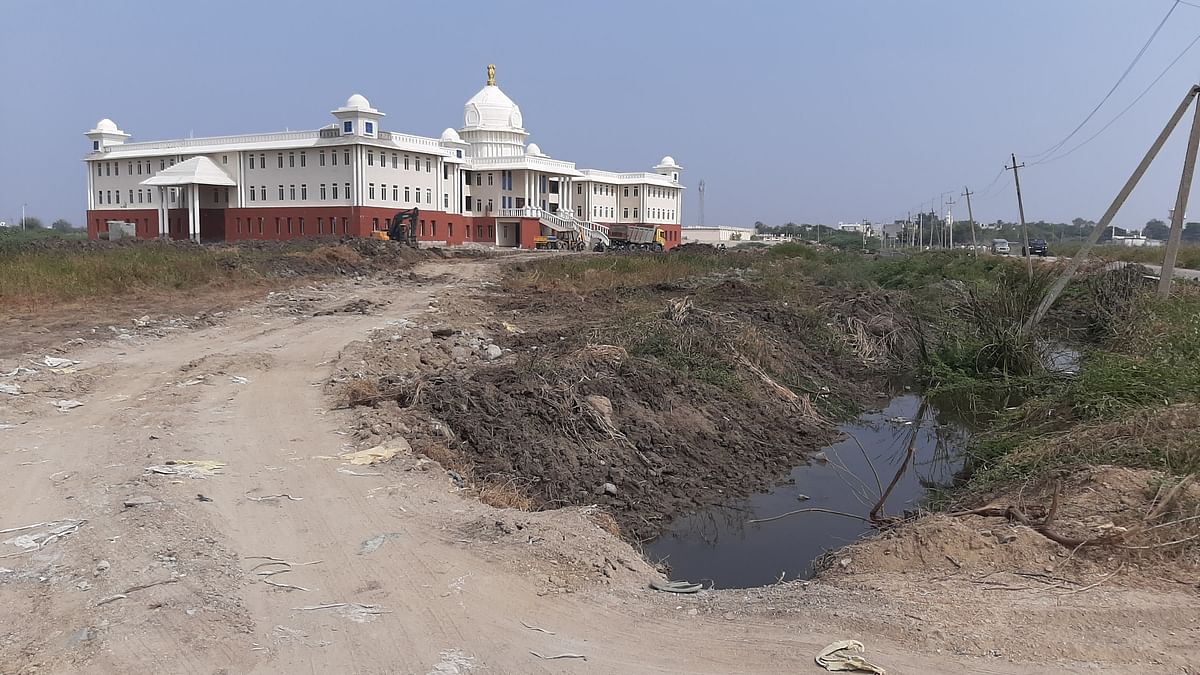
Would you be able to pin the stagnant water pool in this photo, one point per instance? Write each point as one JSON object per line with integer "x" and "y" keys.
{"x": 718, "y": 546}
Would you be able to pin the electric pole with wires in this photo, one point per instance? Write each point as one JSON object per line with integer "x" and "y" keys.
{"x": 1021, "y": 211}
{"x": 971, "y": 218}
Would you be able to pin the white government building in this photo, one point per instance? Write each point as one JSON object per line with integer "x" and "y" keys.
{"x": 482, "y": 183}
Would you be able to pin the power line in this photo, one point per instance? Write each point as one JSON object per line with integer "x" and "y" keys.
{"x": 1121, "y": 79}
{"x": 1131, "y": 103}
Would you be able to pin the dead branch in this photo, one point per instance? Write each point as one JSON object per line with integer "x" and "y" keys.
{"x": 908, "y": 455}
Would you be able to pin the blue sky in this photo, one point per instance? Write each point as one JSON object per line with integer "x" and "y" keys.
{"x": 790, "y": 111}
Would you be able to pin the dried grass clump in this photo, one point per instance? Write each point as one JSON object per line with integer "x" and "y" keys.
{"x": 359, "y": 392}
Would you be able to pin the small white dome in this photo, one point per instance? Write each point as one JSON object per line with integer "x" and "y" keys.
{"x": 106, "y": 125}
{"x": 451, "y": 135}
{"x": 358, "y": 101}
{"x": 667, "y": 161}
{"x": 533, "y": 149}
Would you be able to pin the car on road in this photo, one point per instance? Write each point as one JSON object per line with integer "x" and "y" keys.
{"x": 1036, "y": 247}
{"x": 1000, "y": 246}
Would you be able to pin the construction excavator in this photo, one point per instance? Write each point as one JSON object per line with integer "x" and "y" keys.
{"x": 403, "y": 228}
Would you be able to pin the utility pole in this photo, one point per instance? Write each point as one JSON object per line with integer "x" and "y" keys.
{"x": 22, "y": 216}
{"x": 950, "y": 224}
{"x": 1177, "y": 216}
{"x": 971, "y": 217}
{"x": 1078, "y": 259}
{"x": 1021, "y": 211}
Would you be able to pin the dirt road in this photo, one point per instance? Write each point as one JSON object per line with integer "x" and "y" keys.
{"x": 392, "y": 571}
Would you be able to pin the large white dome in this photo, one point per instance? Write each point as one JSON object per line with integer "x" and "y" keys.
{"x": 492, "y": 109}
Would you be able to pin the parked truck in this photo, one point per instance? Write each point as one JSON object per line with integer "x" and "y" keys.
{"x": 646, "y": 238}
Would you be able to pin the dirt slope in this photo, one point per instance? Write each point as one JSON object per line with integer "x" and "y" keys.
{"x": 433, "y": 582}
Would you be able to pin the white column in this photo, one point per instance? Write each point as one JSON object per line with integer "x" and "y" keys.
{"x": 194, "y": 212}
{"x": 163, "y": 227}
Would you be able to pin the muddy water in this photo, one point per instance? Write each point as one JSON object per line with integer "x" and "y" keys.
{"x": 717, "y": 545}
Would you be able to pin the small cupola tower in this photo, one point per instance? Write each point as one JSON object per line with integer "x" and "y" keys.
{"x": 358, "y": 118}
{"x": 667, "y": 167}
{"x": 106, "y": 134}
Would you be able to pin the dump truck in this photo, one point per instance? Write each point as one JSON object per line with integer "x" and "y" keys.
{"x": 642, "y": 237}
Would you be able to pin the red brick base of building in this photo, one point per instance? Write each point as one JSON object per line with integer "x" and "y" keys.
{"x": 281, "y": 223}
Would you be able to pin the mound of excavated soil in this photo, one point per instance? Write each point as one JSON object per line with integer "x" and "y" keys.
{"x": 636, "y": 438}
{"x": 1092, "y": 502}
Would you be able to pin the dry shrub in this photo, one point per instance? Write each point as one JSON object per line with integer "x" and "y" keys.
{"x": 876, "y": 329}
{"x": 451, "y": 459}
{"x": 504, "y": 493}
{"x": 359, "y": 392}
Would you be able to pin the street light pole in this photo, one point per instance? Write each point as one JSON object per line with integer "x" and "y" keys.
{"x": 22, "y": 216}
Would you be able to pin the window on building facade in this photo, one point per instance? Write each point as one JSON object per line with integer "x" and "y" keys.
{"x": 626, "y": 191}
{"x": 478, "y": 204}
{"x": 370, "y": 191}
{"x": 428, "y": 196}
{"x": 289, "y": 225}
{"x": 262, "y": 160}
{"x": 303, "y": 159}
{"x": 346, "y": 156}
{"x": 417, "y": 195}
{"x": 445, "y": 171}
{"x": 635, "y": 212}
{"x": 224, "y": 159}
{"x": 370, "y": 127}
{"x": 149, "y": 196}
{"x": 635, "y": 191}
{"x": 395, "y": 161}
{"x": 428, "y": 165}
{"x": 490, "y": 179}
{"x": 280, "y": 193}
{"x": 479, "y": 179}
{"x": 347, "y": 186}
{"x": 395, "y": 193}
{"x": 370, "y": 158}
{"x": 99, "y": 197}
{"x": 335, "y": 190}
{"x": 321, "y": 158}
{"x": 320, "y": 224}
{"x": 303, "y": 192}
{"x": 348, "y": 127}
{"x": 445, "y": 200}
{"x": 262, "y": 192}
{"x": 406, "y": 162}
{"x": 292, "y": 192}
{"x": 406, "y": 197}
{"x": 108, "y": 168}
{"x": 322, "y": 192}
{"x": 280, "y": 159}
{"x": 116, "y": 168}
{"x": 578, "y": 211}
{"x": 252, "y": 193}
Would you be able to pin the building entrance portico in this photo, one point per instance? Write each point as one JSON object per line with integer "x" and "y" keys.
{"x": 187, "y": 177}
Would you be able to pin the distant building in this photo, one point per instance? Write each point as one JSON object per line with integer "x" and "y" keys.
{"x": 856, "y": 228}
{"x": 1135, "y": 240}
{"x": 483, "y": 183}
{"x": 715, "y": 234}
{"x": 5, "y": 224}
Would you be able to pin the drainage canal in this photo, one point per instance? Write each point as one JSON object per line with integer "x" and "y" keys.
{"x": 718, "y": 546}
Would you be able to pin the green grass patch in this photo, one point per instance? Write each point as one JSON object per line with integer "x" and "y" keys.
{"x": 30, "y": 276}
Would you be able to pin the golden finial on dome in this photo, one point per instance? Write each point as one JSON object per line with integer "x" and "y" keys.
{"x": 491, "y": 75}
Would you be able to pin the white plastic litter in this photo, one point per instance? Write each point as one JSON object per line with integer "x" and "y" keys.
{"x": 10, "y": 389}
{"x": 843, "y": 655}
{"x": 57, "y": 362}
{"x": 67, "y": 404}
{"x": 19, "y": 370}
